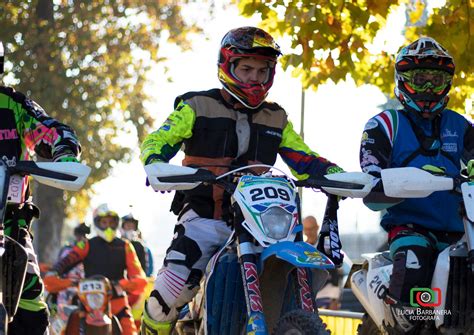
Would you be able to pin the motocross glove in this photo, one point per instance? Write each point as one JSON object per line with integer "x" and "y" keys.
{"x": 66, "y": 159}
{"x": 435, "y": 170}
{"x": 334, "y": 169}
{"x": 330, "y": 170}
{"x": 54, "y": 284}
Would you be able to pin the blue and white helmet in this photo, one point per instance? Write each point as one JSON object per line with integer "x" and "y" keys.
{"x": 424, "y": 53}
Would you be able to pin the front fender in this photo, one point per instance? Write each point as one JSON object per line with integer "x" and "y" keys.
{"x": 299, "y": 254}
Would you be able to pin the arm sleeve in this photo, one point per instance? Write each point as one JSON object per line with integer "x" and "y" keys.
{"x": 375, "y": 155}
{"x": 149, "y": 262}
{"x": 77, "y": 254}
{"x": 46, "y": 136}
{"x": 164, "y": 143}
{"x": 134, "y": 268}
{"x": 302, "y": 161}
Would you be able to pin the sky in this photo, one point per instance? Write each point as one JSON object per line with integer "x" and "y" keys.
{"x": 335, "y": 116}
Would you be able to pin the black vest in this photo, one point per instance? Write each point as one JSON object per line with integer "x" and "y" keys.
{"x": 107, "y": 259}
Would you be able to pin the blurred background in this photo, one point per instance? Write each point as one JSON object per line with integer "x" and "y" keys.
{"x": 112, "y": 69}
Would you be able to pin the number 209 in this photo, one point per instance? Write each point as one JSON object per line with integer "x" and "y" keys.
{"x": 269, "y": 192}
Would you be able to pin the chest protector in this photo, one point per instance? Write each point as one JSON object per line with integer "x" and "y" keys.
{"x": 107, "y": 259}
{"x": 442, "y": 147}
{"x": 224, "y": 136}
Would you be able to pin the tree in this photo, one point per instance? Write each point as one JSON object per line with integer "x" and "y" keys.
{"x": 85, "y": 62}
{"x": 331, "y": 39}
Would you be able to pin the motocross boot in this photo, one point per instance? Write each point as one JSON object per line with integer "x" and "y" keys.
{"x": 152, "y": 327}
{"x": 397, "y": 317}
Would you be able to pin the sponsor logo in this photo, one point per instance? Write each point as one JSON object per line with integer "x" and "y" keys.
{"x": 305, "y": 293}
{"x": 8, "y": 134}
{"x": 448, "y": 133}
{"x": 253, "y": 287}
{"x": 334, "y": 240}
{"x": 366, "y": 139}
{"x": 273, "y": 133}
{"x": 449, "y": 147}
{"x": 371, "y": 124}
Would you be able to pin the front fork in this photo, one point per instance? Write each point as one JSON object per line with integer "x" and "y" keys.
{"x": 304, "y": 290}
{"x": 256, "y": 323}
{"x": 253, "y": 298}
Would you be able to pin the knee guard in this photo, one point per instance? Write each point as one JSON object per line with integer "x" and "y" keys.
{"x": 152, "y": 327}
{"x": 174, "y": 287}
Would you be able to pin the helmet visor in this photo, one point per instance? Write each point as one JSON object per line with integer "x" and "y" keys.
{"x": 420, "y": 80}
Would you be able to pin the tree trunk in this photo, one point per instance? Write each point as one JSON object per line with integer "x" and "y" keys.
{"x": 48, "y": 229}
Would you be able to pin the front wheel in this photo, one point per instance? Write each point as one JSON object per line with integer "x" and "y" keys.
{"x": 299, "y": 322}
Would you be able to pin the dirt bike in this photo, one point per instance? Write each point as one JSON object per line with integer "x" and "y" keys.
{"x": 265, "y": 277}
{"x": 13, "y": 256}
{"x": 447, "y": 307}
{"x": 89, "y": 312}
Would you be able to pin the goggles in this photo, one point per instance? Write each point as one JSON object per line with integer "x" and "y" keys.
{"x": 108, "y": 221}
{"x": 421, "y": 80}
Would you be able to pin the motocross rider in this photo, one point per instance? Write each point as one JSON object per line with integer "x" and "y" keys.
{"x": 427, "y": 135}
{"x": 109, "y": 256}
{"x": 129, "y": 231}
{"x": 25, "y": 127}
{"x": 219, "y": 128}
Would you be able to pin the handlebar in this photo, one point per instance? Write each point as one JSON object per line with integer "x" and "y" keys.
{"x": 205, "y": 176}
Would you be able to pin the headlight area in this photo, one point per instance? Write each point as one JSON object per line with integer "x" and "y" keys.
{"x": 95, "y": 300}
{"x": 276, "y": 222}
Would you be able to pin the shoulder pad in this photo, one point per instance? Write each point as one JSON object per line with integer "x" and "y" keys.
{"x": 214, "y": 93}
{"x": 389, "y": 120}
{"x": 272, "y": 106}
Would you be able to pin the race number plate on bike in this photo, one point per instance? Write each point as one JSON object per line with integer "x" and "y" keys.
{"x": 16, "y": 189}
{"x": 90, "y": 286}
{"x": 263, "y": 201}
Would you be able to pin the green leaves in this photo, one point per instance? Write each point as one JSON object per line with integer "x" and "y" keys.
{"x": 334, "y": 37}
{"x": 87, "y": 64}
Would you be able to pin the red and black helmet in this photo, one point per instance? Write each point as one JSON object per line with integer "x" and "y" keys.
{"x": 247, "y": 42}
